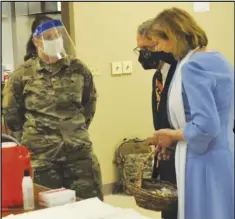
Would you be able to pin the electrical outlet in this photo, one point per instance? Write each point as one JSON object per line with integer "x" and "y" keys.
{"x": 127, "y": 67}
{"x": 116, "y": 68}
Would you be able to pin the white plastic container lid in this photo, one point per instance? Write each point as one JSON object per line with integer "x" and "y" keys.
{"x": 8, "y": 144}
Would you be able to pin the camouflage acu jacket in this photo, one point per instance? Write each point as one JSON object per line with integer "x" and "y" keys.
{"x": 52, "y": 105}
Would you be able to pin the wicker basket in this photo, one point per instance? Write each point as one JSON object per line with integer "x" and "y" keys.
{"x": 145, "y": 191}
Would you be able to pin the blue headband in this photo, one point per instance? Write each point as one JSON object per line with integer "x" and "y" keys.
{"x": 45, "y": 26}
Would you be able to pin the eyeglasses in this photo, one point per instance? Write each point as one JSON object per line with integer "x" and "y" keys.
{"x": 136, "y": 50}
{"x": 146, "y": 48}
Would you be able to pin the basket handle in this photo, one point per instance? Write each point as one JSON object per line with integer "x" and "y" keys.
{"x": 139, "y": 177}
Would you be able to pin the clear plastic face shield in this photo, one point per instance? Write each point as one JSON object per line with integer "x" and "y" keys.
{"x": 53, "y": 42}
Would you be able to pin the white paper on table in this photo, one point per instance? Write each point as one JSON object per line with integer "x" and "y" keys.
{"x": 87, "y": 209}
{"x": 201, "y": 6}
{"x": 126, "y": 214}
{"x": 9, "y": 216}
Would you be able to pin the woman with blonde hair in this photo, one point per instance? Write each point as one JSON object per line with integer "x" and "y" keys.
{"x": 200, "y": 110}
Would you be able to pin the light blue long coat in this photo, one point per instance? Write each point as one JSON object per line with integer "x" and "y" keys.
{"x": 208, "y": 96}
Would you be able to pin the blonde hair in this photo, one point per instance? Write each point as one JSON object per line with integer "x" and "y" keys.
{"x": 181, "y": 28}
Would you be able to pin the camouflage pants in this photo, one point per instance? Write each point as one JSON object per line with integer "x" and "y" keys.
{"x": 81, "y": 175}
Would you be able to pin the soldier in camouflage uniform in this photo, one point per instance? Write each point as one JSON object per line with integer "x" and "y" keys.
{"x": 52, "y": 105}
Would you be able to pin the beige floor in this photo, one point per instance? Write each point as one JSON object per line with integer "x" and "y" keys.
{"x": 129, "y": 202}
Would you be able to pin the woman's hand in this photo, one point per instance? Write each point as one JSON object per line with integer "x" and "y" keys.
{"x": 167, "y": 137}
{"x": 164, "y": 138}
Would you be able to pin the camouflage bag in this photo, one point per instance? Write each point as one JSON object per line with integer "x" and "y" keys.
{"x": 129, "y": 155}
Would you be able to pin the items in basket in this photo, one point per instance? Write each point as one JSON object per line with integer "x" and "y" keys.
{"x": 165, "y": 192}
{"x": 152, "y": 194}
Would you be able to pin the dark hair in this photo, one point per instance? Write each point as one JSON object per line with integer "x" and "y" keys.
{"x": 31, "y": 50}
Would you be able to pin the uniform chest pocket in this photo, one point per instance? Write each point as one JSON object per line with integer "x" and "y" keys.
{"x": 37, "y": 86}
{"x": 33, "y": 84}
{"x": 72, "y": 88}
{"x": 36, "y": 93}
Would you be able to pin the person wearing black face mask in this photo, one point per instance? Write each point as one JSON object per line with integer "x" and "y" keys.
{"x": 165, "y": 65}
{"x": 150, "y": 60}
